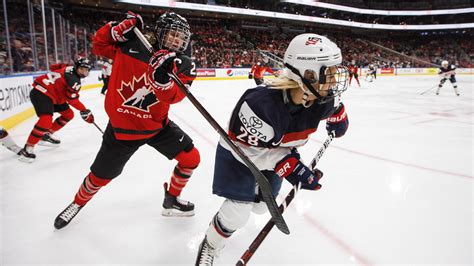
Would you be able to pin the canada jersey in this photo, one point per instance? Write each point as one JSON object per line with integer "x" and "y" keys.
{"x": 259, "y": 71}
{"x": 266, "y": 126}
{"x": 353, "y": 69}
{"x": 135, "y": 109}
{"x": 60, "y": 85}
{"x": 447, "y": 71}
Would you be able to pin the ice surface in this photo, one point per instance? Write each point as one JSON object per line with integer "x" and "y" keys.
{"x": 397, "y": 188}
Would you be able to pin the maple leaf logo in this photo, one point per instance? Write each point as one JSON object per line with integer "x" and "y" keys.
{"x": 137, "y": 94}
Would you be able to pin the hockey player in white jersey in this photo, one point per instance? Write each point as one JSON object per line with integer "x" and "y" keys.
{"x": 268, "y": 124}
{"x": 7, "y": 141}
{"x": 447, "y": 71}
{"x": 371, "y": 73}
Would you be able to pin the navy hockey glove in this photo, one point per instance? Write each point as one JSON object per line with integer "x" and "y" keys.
{"x": 295, "y": 172}
{"x": 161, "y": 63}
{"x": 338, "y": 122}
{"x": 87, "y": 116}
{"x": 250, "y": 75}
{"x": 122, "y": 31}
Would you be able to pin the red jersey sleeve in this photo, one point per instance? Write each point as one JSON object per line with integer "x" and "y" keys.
{"x": 103, "y": 44}
{"x": 77, "y": 104}
{"x": 270, "y": 70}
{"x": 252, "y": 70}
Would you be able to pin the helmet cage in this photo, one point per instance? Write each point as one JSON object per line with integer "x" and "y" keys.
{"x": 172, "y": 32}
{"x": 337, "y": 82}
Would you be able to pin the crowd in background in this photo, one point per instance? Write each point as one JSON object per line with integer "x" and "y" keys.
{"x": 236, "y": 43}
{"x": 217, "y": 44}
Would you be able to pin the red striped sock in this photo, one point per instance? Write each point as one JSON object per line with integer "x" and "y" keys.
{"x": 89, "y": 187}
{"x": 179, "y": 178}
{"x": 40, "y": 128}
{"x": 59, "y": 123}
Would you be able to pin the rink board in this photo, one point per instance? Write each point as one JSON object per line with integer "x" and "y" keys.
{"x": 15, "y": 104}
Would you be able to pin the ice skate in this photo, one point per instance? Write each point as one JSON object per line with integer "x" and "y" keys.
{"x": 206, "y": 254}
{"x": 26, "y": 154}
{"x": 174, "y": 206}
{"x": 49, "y": 140}
{"x": 67, "y": 215}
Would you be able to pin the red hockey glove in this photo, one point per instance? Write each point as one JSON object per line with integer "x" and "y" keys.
{"x": 161, "y": 63}
{"x": 295, "y": 172}
{"x": 338, "y": 122}
{"x": 122, "y": 31}
{"x": 87, "y": 116}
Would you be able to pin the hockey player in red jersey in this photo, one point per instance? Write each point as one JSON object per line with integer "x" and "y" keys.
{"x": 353, "y": 72}
{"x": 268, "y": 124}
{"x": 137, "y": 102}
{"x": 258, "y": 71}
{"x": 54, "y": 92}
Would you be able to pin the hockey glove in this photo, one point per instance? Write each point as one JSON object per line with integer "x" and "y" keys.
{"x": 250, "y": 75}
{"x": 295, "y": 172}
{"x": 87, "y": 116}
{"x": 122, "y": 31}
{"x": 338, "y": 122}
{"x": 161, "y": 63}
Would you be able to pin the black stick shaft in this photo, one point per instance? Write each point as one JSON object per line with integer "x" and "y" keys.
{"x": 262, "y": 181}
{"x": 291, "y": 195}
{"x": 101, "y": 131}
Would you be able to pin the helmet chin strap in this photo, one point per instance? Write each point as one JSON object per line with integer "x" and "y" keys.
{"x": 322, "y": 80}
{"x": 306, "y": 103}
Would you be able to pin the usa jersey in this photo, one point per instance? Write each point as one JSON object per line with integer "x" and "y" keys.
{"x": 61, "y": 86}
{"x": 135, "y": 109}
{"x": 266, "y": 125}
{"x": 446, "y": 72}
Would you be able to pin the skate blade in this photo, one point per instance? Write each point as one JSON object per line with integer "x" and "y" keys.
{"x": 47, "y": 144}
{"x": 176, "y": 213}
{"x": 26, "y": 160}
{"x": 14, "y": 149}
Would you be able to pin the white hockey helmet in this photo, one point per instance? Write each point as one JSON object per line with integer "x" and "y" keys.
{"x": 444, "y": 63}
{"x": 313, "y": 52}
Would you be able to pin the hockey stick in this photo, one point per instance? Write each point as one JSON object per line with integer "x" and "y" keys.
{"x": 291, "y": 195}
{"x": 262, "y": 181}
{"x": 428, "y": 89}
{"x": 101, "y": 131}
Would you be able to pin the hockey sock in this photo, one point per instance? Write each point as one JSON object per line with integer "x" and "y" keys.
{"x": 61, "y": 121}
{"x": 358, "y": 83}
{"x": 455, "y": 87}
{"x": 41, "y": 127}
{"x": 179, "y": 179}
{"x": 187, "y": 162}
{"x": 216, "y": 234}
{"x": 89, "y": 187}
